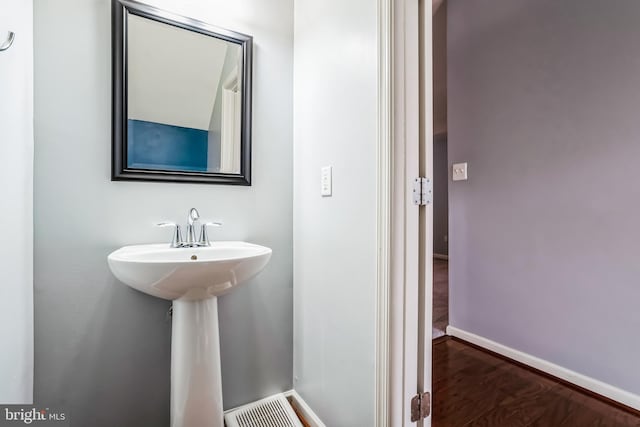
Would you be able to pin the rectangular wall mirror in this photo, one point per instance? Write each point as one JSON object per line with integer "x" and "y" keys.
{"x": 181, "y": 98}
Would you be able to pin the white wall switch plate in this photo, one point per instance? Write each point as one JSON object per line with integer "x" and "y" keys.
{"x": 325, "y": 181}
{"x": 460, "y": 172}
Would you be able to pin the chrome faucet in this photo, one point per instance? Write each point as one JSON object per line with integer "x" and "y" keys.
{"x": 192, "y": 223}
{"x": 176, "y": 240}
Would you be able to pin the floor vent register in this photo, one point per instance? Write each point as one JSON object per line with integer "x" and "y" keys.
{"x": 273, "y": 411}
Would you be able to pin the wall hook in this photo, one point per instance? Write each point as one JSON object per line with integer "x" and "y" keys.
{"x": 7, "y": 44}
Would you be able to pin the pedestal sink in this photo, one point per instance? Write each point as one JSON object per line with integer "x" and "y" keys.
{"x": 192, "y": 278}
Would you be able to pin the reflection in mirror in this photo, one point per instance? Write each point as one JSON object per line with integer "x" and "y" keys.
{"x": 182, "y": 98}
{"x": 183, "y": 104}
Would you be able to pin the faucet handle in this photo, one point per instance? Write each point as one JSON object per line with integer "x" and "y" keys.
{"x": 176, "y": 240}
{"x": 204, "y": 236}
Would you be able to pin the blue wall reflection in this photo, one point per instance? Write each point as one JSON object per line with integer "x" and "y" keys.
{"x": 164, "y": 147}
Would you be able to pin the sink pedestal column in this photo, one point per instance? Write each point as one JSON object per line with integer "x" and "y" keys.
{"x": 196, "y": 382}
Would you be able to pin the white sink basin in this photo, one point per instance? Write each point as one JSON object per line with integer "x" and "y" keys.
{"x": 193, "y": 278}
{"x": 188, "y": 273}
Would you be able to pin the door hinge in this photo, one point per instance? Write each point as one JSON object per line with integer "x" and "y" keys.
{"x": 420, "y": 406}
{"x": 422, "y": 191}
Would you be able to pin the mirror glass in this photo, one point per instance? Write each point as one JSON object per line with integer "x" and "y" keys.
{"x": 183, "y": 104}
{"x": 181, "y": 98}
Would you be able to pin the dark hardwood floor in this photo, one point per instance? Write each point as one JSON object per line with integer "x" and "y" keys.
{"x": 440, "y": 296}
{"x": 475, "y": 388}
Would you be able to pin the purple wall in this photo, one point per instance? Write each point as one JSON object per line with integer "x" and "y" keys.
{"x": 440, "y": 195}
{"x": 544, "y": 104}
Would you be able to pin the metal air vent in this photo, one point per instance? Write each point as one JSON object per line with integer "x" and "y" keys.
{"x": 273, "y": 411}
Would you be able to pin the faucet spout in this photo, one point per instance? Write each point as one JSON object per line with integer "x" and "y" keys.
{"x": 192, "y": 219}
{"x": 194, "y": 215}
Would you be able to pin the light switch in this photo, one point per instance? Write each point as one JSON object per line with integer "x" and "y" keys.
{"x": 325, "y": 181}
{"x": 460, "y": 171}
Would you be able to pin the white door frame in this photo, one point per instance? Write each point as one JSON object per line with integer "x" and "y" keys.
{"x": 425, "y": 323}
{"x": 402, "y": 369}
{"x": 384, "y": 336}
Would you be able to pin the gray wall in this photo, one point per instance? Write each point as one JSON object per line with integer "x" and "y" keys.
{"x": 335, "y": 237}
{"x": 102, "y": 349}
{"x": 440, "y": 195}
{"x": 16, "y": 204}
{"x": 440, "y": 163}
{"x": 439, "y": 31}
{"x": 543, "y": 103}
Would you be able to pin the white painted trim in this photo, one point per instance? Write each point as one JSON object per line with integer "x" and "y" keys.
{"x": 405, "y": 294}
{"x": 591, "y": 384}
{"x": 384, "y": 178}
{"x": 441, "y": 256}
{"x": 298, "y": 402}
{"x": 425, "y": 325}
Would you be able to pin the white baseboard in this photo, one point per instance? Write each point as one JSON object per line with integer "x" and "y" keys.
{"x": 298, "y": 402}
{"x": 591, "y": 384}
{"x": 440, "y": 256}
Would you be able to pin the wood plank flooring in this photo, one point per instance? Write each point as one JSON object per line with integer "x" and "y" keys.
{"x": 474, "y": 388}
{"x": 440, "y": 296}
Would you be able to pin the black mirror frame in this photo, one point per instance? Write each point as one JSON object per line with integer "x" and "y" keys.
{"x": 119, "y": 170}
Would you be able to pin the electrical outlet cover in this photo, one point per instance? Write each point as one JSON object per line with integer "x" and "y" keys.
{"x": 460, "y": 172}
